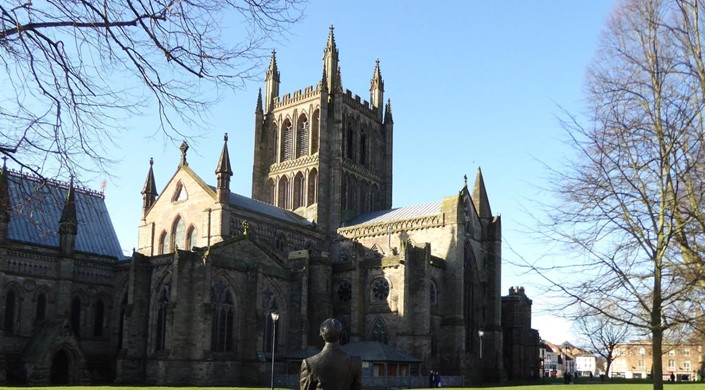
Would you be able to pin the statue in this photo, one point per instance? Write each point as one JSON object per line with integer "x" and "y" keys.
{"x": 332, "y": 368}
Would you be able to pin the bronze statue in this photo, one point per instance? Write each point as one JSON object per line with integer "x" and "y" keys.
{"x": 332, "y": 368}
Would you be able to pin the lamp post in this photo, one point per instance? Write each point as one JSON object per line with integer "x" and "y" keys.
{"x": 275, "y": 317}
{"x": 480, "y": 333}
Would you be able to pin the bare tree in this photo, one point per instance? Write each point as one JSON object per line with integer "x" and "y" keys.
{"x": 631, "y": 201}
{"x": 603, "y": 335}
{"x": 73, "y": 69}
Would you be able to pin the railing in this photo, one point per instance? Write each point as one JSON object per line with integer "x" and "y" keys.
{"x": 380, "y": 382}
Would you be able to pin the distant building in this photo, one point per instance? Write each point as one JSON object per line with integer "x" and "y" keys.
{"x": 585, "y": 364}
{"x": 635, "y": 360}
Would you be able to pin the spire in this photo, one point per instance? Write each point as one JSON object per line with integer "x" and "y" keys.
{"x": 376, "y": 82}
{"x": 223, "y": 173}
{"x": 272, "y": 71}
{"x": 388, "y": 113}
{"x": 324, "y": 83}
{"x": 271, "y": 83}
{"x": 68, "y": 224}
{"x": 479, "y": 197}
{"x": 149, "y": 191}
{"x": 330, "y": 63}
{"x": 258, "y": 109}
{"x": 377, "y": 91}
{"x": 4, "y": 201}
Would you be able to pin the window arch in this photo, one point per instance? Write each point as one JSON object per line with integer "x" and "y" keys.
{"x": 270, "y": 305}
{"x": 273, "y": 144}
{"x": 269, "y": 192}
{"x": 433, "y": 292}
{"x": 160, "y": 331}
{"x": 352, "y": 193}
{"x": 222, "y": 319}
{"x": 163, "y": 243}
{"x": 76, "y": 315}
{"x": 312, "y": 187}
{"x": 374, "y": 198}
{"x": 283, "y": 196}
{"x": 191, "y": 237}
{"x": 180, "y": 193}
{"x": 12, "y": 311}
{"x": 286, "y": 143}
{"x": 41, "y": 308}
{"x": 363, "y": 147}
{"x": 364, "y": 199}
{"x": 379, "y": 331}
{"x": 380, "y": 290}
{"x": 349, "y": 142}
{"x": 98, "y": 318}
{"x": 178, "y": 229}
{"x": 315, "y": 130}
{"x": 302, "y": 133}
{"x": 299, "y": 190}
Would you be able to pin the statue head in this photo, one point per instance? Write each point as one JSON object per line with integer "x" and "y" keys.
{"x": 331, "y": 329}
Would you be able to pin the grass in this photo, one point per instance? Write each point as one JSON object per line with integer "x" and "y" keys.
{"x": 586, "y": 386}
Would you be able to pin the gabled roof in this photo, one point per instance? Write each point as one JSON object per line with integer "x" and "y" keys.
{"x": 36, "y": 207}
{"x": 249, "y": 204}
{"x": 400, "y": 213}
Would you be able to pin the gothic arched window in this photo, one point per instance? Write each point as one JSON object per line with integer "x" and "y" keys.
{"x": 76, "y": 315}
{"x": 363, "y": 147}
{"x": 163, "y": 244}
{"x": 273, "y": 144}
{"x": 380, "y": 290}
{"x": 178, "y": 235}
{"x": 283, "y": 198}
{"x": 349, "y": 142}
{"x": 11, "y": 311}
{"x": 302, "y": 136}
{"x": 315, "y": 130}
{"x": 160, "y": 331}
{"x": 344, "y": 291}
{"x": 40, "y": 312}
{"x": 312, "y": 187}
{"x": 222, "y": 319}
{"x": 99, "y": 318}
{"x": 299, "y": 191}
{"x": 121, "y": 325}
{"x": 191, "y": 237}
{"x": 286, "y": 147}
{"x": 269, "y": 192}
{"x": 379, "y": 332}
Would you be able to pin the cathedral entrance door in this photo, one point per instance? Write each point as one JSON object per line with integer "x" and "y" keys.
{"x": 60, "y": 369}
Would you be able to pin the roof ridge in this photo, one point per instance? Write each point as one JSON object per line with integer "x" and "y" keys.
{"x": 55, "y": 183}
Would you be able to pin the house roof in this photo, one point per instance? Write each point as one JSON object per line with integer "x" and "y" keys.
{"x": 36, "y": 207}
{"x": 400, "y": 213}
{"x": 245, "y": 203}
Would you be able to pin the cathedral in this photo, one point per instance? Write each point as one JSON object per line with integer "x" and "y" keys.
{"x": 223, "y": 287}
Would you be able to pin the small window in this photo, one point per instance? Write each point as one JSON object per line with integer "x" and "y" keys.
{"x": 380, "y": 289}
{"x": 672, "y": 352}
{"x": 344, "y": 291}
{"x": 191, "y": 237}
{"x": 686, "y": 351}
{"x": 671, "y": 364}
{"x": 41, "y": 308}
{"x": 99, "y": 319}
{"x": 76, "y": 316}
{"x": 163, "y": 244}
{"x": 642, "y": 351}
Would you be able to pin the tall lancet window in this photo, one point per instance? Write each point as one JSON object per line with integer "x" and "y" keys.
{"x": 160, "y": 329}
{"x": 315, "y": 131}
{"x": 302, "y": 137}
{"x": 287, "y": 141}
{"x": 223, "y": 317}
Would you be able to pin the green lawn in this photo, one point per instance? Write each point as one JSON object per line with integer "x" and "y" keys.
{"x": 591, "y": 386}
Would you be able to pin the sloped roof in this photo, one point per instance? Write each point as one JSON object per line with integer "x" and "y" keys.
{"x": 373, "y": 351}
{"x": 249, "y": 204}
{"x": 397, "y": 214}
{"x": 36, "y": 207}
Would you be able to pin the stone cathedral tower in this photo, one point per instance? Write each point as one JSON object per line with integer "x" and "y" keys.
{"x": 322, "y": 152}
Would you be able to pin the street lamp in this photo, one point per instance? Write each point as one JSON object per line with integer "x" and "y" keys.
{"x": 275, "y": 317}
{"x": 480, "y": 333}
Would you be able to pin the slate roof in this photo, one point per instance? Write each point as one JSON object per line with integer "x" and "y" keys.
{"x": 35, "y": 210}
{"x": 256, "y": 206}
{"x": 400, "y": 213}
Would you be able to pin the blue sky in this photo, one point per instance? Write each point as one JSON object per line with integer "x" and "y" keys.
{"x": 472, "y": 84}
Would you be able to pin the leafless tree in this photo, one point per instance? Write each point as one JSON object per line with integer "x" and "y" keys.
{"x": 603, "y": 335}
{"x": 631, "y": 201}
{"x": 73, "y": 70}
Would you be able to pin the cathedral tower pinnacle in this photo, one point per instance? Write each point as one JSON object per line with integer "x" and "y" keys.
{"x": 479, "y": 196}
{"x": 149, "y": 191}
{"x": 68, "y": 224}
{"x": 223, "y": 173}
{"x": 330, "y": 63}
{"x": 271, "y": 80}
{"x": 4, "y": 201}
{"x": 377, "y": 91}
